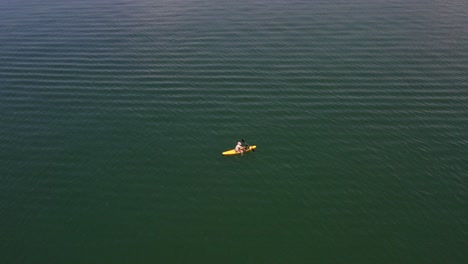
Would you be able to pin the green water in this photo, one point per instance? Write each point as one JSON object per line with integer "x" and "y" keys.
{"x": 114, "y": 114}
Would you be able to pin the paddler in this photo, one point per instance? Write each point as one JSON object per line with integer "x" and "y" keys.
{"x": 239, "y": 148}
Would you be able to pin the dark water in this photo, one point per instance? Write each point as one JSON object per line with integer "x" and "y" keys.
{"x": 114, "y": 115}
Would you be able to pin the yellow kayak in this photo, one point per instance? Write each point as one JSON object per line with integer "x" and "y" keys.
{"x": 233, "y": 152}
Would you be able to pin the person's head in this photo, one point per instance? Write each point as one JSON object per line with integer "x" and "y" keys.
{"x": 239, "y": 143}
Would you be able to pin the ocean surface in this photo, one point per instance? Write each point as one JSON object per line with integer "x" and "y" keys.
{"x": 114, "y": 114}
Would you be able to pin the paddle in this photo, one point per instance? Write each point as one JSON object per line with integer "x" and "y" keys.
{"x": 247, "y": 145}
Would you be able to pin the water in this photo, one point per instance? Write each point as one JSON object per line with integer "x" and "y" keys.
{"x": 114, "y": 115}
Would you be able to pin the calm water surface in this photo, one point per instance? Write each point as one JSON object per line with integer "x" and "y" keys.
{"x": 114, "y": 114}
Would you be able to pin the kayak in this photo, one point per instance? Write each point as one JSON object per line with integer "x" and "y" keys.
{"x": 233, "y": 152}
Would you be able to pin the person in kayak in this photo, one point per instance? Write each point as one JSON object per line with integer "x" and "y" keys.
{"x": 239, "y": 148}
